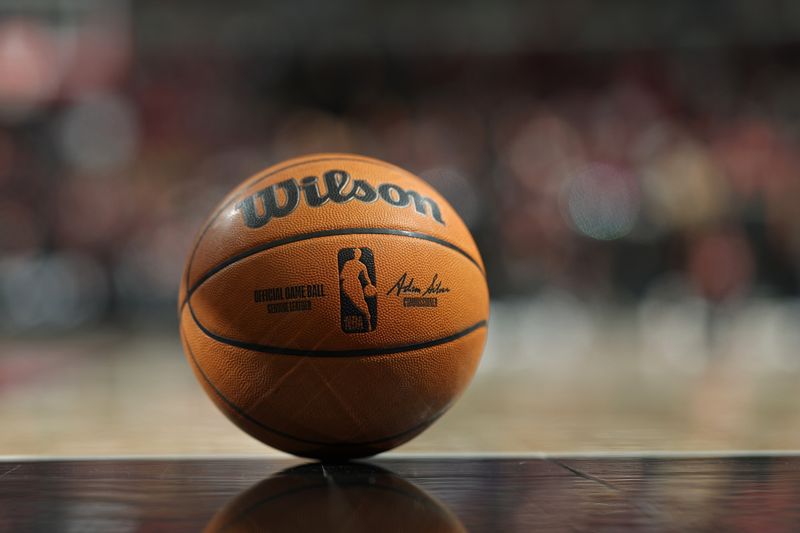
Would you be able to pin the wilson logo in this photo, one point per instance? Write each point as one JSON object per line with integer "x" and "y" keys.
{"x": 281, "y": 199}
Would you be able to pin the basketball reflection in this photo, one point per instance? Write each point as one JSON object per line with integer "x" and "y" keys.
{"x": 351, "y": 497}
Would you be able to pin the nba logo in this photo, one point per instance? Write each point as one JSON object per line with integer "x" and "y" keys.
{"x": 357, "y": 293}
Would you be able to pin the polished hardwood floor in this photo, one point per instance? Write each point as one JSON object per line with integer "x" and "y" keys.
{"x": 626, "y": 493}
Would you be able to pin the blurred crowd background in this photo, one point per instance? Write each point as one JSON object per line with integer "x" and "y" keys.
{"x": 604, "y": 154}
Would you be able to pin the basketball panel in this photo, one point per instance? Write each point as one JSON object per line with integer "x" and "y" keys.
{"x": 313, "y": 402}
{"x": 412, "y": 205}
{"x": 316, "y": 296}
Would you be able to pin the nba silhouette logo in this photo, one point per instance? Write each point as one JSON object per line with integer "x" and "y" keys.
{"x": 358, "y": 297}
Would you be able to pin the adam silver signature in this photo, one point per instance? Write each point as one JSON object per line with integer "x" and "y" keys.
{"x": 404, "y": 286}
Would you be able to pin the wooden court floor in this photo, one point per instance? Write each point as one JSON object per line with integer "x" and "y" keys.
{"x": 733, "y": 493}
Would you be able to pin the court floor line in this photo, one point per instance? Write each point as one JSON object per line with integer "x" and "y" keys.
{"x": 646, "y": 508}
{"x": 586, "y": 475}
{"x": 10, "y": 470}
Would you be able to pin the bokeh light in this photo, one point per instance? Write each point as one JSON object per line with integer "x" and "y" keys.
{"x": 30, "y": 67}
{"x": 99, "y": 133}
{"x": 58, "y": 292}
{"x": 602, "y": 202}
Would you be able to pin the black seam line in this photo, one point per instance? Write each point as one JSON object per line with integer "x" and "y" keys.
{"x": 239, "y": 411}
{"x": 647, "y": 509}
{"x": 325, "y": 233}
{"x": 584, "y": 475}
{"x": 258, "y": 179}
{"x": 334, "y": 353}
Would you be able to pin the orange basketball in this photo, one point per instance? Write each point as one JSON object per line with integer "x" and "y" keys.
{"x": 334, "y": 306}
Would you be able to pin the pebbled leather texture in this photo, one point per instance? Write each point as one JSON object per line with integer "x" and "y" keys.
{"x": 342, "y": 327}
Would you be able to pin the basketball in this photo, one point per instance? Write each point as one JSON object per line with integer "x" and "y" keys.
{"x": 334, "y": 306}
